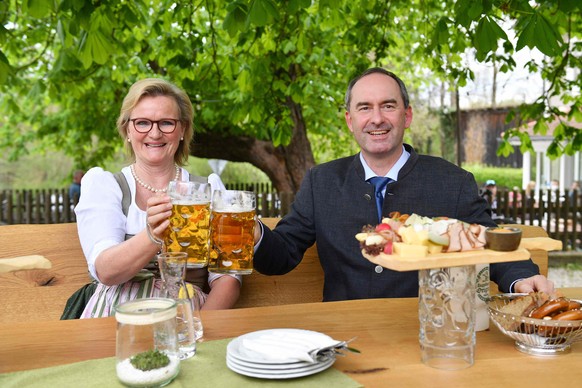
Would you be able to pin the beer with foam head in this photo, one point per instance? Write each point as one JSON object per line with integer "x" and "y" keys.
{"x": 188, "y": 232}
{"x": 190, "y": 221}
{"x": 232, "y": 227}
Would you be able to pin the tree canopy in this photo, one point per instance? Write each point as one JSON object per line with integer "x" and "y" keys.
{"x": 267, "y": 77}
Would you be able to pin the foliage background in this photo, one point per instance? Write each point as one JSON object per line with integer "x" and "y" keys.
{"x": 269, "y": 75}
{"x": 53, "y": 170}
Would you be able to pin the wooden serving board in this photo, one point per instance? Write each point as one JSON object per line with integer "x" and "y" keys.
{"x": 541, "y": 243}
{"x": 455, "y": 259}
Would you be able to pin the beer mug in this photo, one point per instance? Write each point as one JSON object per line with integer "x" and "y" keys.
{"x": 446, "y": 312}
{"x": 189, "y": 223}
{"x": 481, "y": 297}
{"x": 232, "y": 228}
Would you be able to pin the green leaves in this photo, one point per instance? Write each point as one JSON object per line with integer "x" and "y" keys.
{"x": 95, "y": 48}
{"x": 39, "y": 8}
{"x": 236, "y": 17}
{"x": 297, "y": 5}
{"x": 243, "y": 81}
{"x": 5, "y": 68}
{"x": 241, "y": 15}
{"x": 487, "y": 35}
{"x": 265, "y": 68}
{"x": 263, "y": 12}
{"x": 539, "y": 33}
{"x": 442, "y": 32}
{"x": 467, "y": 11}
{"x": 96, "y": 45}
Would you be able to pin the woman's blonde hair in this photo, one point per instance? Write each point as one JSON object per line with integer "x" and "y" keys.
{"x": 154, "y": 87}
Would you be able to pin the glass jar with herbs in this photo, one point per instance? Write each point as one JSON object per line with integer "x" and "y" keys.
{"x": 146, "y": 344}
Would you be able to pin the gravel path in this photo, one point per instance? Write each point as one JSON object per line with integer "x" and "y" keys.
{"x": 563, "y": 277}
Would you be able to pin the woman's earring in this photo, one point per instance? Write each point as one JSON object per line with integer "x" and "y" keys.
{"x": 128, "y": 140}
{"x": 182, "y": 138}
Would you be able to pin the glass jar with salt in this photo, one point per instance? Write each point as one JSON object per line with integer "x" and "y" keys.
{"x": 146, "y": 344}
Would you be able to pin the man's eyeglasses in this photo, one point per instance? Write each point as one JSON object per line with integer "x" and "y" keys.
{"x": 145, "y": 125}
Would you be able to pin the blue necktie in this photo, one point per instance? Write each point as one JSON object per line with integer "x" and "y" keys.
{"x": 379, "y": 184}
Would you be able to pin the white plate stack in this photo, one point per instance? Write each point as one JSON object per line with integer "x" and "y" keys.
{"x": 278, "y": 353}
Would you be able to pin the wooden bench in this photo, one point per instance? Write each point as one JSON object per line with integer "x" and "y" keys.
{"x": 302, "y": 285}
{"x": 41, "y": 294}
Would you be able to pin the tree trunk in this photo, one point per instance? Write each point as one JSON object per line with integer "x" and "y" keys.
{"x": 494, "y": 86}
{"x": 284, "y": 165}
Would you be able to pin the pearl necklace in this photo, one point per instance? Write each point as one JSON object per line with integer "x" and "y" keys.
{"x": 149, "y": 187}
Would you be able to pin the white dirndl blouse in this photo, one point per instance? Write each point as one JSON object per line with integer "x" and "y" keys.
{"x": 101, "y": 224}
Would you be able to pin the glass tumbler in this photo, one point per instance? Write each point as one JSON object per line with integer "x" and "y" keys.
{"x": 146, "y": 342}
{"x": 189, "y": 323}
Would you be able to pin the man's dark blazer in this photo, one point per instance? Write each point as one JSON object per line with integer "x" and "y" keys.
{"x": 335, "y": 202}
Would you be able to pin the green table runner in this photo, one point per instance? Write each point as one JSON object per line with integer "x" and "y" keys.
{"x": 206, "y": 369}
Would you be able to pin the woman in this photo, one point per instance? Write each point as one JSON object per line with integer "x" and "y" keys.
{"x": 156, "y": 124}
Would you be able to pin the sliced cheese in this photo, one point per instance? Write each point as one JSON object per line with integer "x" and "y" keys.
{"x": 412, "y": 236}
{"x": 409, "y": 250}
{"x": 434, "y": 248}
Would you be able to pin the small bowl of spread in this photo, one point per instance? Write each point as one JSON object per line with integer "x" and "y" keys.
{"x": 501, "y": 238}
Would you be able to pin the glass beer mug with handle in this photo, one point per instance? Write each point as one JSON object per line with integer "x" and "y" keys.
{"x": 189, "y": 223}
{"x": 232, "y": 227}
{"x": 188, "y": 321}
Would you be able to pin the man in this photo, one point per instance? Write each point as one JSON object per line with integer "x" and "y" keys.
{"x": 336, "y": 199}
{"x": 489, "y": 193}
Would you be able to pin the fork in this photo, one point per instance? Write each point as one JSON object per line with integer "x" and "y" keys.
{"x": 326, "y": 352}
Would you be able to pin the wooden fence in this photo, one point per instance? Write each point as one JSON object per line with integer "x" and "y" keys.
{"x": 53, "y": 206}
{"x": 560, "y": 214}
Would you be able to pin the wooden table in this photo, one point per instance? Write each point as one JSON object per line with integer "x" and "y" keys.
{"x": 387, "y": 331}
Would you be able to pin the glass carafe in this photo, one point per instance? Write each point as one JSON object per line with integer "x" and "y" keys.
{"x": 188, "y": 322}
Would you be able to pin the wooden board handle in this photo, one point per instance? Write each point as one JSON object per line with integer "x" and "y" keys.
{"x": 541, "y": 243}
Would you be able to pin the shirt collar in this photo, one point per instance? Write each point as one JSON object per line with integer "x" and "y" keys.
{"x": 393, "y": 173}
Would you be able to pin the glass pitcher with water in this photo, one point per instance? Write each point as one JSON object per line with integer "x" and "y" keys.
{"x": 188, "y": 322}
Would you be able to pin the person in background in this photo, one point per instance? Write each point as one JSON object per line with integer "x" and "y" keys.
{"x": 575, "y": 193}
{"x": 336, "y": 199}
{"x": 515, "y": 197}
{"x": 530, "y": 194}
{"x": 489, "y": 193}
{"x": 554, "y": 190}
{"x": 75, "y": 187}
{"x": 155, "y": 123}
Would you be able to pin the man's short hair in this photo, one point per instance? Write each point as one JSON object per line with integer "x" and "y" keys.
{"x": 380, "y": 70}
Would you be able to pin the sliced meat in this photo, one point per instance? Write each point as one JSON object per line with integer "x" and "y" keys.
{"x": 454, "y": 233}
